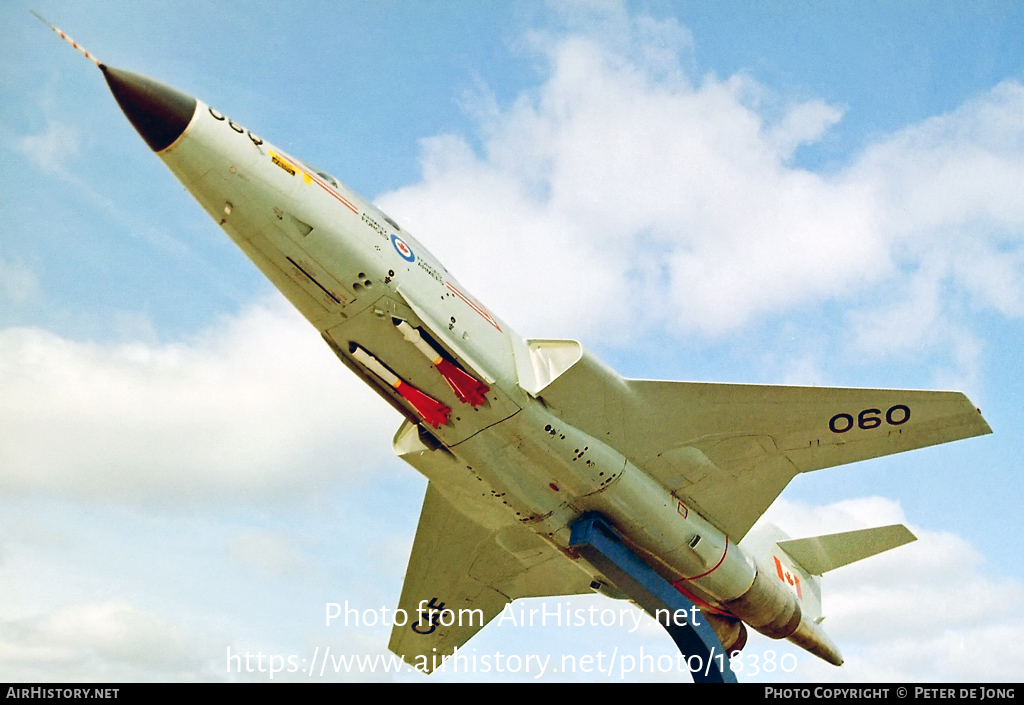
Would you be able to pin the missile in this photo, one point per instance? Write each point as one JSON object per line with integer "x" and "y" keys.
{"x": 681, "y": 470}
{"x": 468, "y": 389}
{"x": 433, "y": 412}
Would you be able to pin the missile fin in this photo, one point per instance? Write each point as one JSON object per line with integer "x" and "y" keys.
{"x": 433, "y": 412}
{"x": 467, "y": 388}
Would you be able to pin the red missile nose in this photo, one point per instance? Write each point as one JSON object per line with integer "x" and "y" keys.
{"x": 159, "y": 113}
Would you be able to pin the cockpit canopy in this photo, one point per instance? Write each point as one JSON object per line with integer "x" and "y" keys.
{"x": 334, "y": 183}
{"x": 327, "y": 177}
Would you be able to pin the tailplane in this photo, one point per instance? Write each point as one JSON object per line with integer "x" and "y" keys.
{"x": 820, "y": 554}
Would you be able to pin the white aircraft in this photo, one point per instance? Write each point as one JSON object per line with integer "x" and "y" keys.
{"x": 519, "y": 438}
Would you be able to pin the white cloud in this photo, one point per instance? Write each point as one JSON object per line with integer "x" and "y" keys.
{"x": 804, "y": 123}
{"x": 953, "y": 170}
{"x": 101, "y": 641}
{"x": 610, "y": 187}
{"x": 255, "y": 406}
{"x": 621, "y": 196}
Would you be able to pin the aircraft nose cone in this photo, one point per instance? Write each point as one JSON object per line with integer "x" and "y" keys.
{"x": 159, "y": 113}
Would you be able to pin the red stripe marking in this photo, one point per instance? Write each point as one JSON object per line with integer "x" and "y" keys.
{"x": 720, "y": 560}
{"x": 476, "y": 307}
{"x": 778, "y": 567}
{"x": 334, "y": 193}
{"x": 321, "y": 183}
{"x": 699, "y": 602}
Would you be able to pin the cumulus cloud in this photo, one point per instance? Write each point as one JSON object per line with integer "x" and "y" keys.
{"x": 254, "y": 406}
{"x": 101, "y": 641}
{"x": 626, "y": 194}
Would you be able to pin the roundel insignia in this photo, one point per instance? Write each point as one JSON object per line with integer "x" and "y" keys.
{"x": 402, "y": 249}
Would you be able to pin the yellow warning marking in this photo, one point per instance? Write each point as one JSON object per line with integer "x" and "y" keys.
{"x": 282, "y": 163}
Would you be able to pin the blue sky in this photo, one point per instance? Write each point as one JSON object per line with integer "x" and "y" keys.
{"x": 810, "y": 193}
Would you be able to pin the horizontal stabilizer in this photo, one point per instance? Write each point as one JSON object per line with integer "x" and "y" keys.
{"x": 820, "y": 554}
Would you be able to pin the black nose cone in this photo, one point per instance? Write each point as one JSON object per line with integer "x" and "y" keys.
{"x": 159, "y": 113}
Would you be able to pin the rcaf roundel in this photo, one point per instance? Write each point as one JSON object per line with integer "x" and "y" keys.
{"x": 402, "y": 249}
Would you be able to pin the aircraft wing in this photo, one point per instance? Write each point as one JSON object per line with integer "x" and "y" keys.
{"x": 729, "y": 450}
{"x": 740, "y": 445}
{"x": 458, "y": 565}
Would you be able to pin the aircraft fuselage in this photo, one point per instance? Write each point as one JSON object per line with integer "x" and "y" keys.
{"x": 355, "y": 275}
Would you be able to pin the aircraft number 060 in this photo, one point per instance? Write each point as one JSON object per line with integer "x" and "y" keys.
{"x": 870, "y": 418}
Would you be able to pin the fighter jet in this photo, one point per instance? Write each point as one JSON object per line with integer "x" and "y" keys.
{"x": 518, "y": 437}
